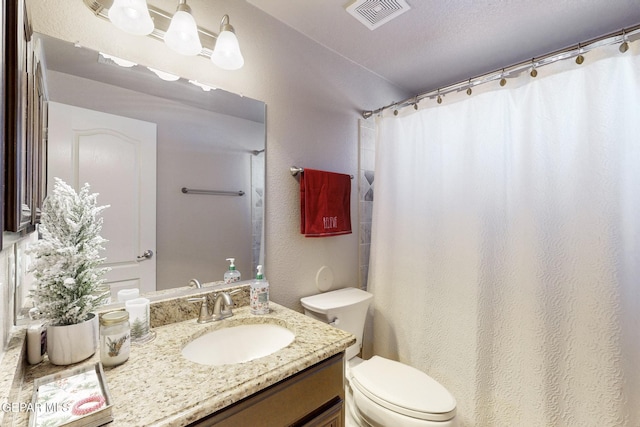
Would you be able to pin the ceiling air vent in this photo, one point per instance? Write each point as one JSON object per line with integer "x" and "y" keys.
{"x": 373, "y": 13}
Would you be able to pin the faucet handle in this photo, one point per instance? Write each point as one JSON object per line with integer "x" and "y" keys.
{"x": 227, "y": 311}
{"x": 204, "y": 309}
{"x": 235, "y": 291}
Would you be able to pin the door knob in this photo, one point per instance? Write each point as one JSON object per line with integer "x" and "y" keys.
{"x": 146, "y": 255}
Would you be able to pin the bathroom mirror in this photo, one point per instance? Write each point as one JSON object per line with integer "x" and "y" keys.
{"x": 207, "y": 139}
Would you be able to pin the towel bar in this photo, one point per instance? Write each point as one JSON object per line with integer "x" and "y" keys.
{"x": 295, "y": 170}
{"x": 186, "y": 190}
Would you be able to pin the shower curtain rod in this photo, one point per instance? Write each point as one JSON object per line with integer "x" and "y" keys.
{"x": 622, "y": 36}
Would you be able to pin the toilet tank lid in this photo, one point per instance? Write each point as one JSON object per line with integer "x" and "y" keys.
{"x": 320, "y": 303}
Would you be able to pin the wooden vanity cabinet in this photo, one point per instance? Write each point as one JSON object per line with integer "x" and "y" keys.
{"x": 311, "y": 398}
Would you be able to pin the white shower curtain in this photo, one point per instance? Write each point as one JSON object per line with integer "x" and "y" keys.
{"x": 505, "y": 254}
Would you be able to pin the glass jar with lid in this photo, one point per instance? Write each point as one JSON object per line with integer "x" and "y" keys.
{"x": 115, "y": 338}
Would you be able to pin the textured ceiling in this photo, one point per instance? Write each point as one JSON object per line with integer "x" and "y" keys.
{"x": 441, "y": 42}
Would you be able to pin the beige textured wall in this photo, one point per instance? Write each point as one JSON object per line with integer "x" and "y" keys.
{"x": 313, "y": 96}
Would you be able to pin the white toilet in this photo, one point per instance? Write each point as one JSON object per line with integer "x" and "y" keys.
{"x": 380, "y": 392}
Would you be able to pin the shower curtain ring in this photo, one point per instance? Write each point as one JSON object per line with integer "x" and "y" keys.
{"x": 624, "y": 46}
{"x": 534, "y": 72}
{"x": 579, "y": 58}
{"x": 503, "y": 81}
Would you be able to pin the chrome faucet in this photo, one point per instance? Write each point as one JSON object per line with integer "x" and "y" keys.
{"x": 196, "y": 283}
{"x": 222, "y": 304}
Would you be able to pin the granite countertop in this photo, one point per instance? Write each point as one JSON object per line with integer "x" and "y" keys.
{"x": 159, "y": 387}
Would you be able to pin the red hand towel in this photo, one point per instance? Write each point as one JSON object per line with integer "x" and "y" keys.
{"x": 325, "y": 203}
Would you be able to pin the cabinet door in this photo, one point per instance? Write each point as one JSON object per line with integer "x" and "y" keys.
{"x": 313, "y": 397}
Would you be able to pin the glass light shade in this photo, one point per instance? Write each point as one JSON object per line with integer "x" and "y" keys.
{"x": 182, "y": 35}
{"x": 226, "y": 53}
{"x": 164, "y": 75}
{"x": 202, "y": 86}
{"x": 131, "y": 16}
{"x": 119, "y": 61}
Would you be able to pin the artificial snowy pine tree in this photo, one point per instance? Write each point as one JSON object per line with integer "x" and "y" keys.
{"x": 67, "y": 259}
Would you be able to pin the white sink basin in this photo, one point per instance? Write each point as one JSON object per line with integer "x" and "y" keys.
{"x": 237, "y": 344}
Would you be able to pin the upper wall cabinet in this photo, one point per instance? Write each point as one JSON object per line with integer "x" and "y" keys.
{"x": 24, "y": 129}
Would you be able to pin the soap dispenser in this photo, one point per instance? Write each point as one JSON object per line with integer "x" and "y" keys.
{"x": 259, "y": 294}
{"x": 232, "y": 275}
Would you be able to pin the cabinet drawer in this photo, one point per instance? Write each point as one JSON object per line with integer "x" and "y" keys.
{"x": 333, "y": 416}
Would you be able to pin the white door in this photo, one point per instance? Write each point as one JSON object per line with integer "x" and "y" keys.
{"x": 117, "y": 157}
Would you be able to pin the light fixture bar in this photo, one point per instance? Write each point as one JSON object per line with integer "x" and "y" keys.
{"x": 161, "y": 21}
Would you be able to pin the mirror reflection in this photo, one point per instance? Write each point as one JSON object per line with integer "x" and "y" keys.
{"x": 139, "y": 140}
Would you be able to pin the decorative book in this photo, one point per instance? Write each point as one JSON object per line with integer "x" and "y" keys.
{"x": 76, "y": 397}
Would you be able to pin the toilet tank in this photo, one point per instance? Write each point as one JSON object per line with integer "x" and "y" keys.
{"x": 343, "y": 308}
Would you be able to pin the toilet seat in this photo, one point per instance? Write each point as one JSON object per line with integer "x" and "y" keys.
{"x": 403, "y": 389}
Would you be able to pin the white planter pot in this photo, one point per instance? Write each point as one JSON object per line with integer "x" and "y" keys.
{"x": 72, "y": 343}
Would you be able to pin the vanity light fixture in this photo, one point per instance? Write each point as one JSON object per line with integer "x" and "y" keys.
{"x": 223, "y": 48}
{"x": 226, "y": 53}
{"x": 164, "y": 75}
{"x": 119, "y": 61}
{"x": 182, "y": 35}
{"x": 131, "y": 16}
{"x": 202, "y": 86}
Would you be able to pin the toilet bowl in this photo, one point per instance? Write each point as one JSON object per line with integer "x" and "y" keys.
{"x": 380, "y": 392}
